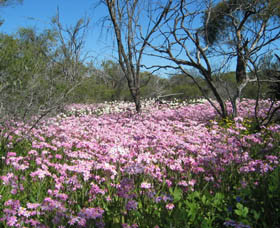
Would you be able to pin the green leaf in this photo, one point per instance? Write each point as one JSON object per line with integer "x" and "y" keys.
{"x": 196, "y": 194}
{"x": 177, "y": 194}
{"x": 239, "y": 206}
{"x": 256, "y": 215}
{"x": 238, "y": 212}
{"x": 203, "y": 199}
{"x": 241, "y": 210}
{"x": 245, "y": 211}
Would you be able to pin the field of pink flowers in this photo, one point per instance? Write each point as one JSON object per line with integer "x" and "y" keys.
{"x": 173, "y": 165}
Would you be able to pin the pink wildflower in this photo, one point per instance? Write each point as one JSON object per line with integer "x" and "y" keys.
{"x": 145, "y": 185}
{"x": 32, "y": 205}
{"x": 12, "y": 221}
{"x": 192, "y": 182}
{"x": 170, "y": 206}
{"x": 58, "y": 156}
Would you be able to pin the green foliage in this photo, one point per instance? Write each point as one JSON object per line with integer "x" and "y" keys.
{"x": 184, "y": 87}
{"x": 23, "y": 64}
{"x": 91, "y": 92}
{"x": 188, "y": 92}
{"x": 259, "y": 202}
{"x": 109, "y": 84}
{"x": 220, "y": 22}
{"x": 198, "y": 209}
{"x": 217, "y": 22}
{"x": 37, "y": 73}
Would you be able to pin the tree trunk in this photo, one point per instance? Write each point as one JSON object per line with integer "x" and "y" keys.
{"x": 136, "y": 98}
{"x": 137, "y": 103}
{"x": 234, "y": 106}
{"x": 240, "y": 69}
{"x": 240, "y": 75}
{"x": 135, "y": 93}
{"x": 223, "y": 112}
{"x": 220, "y": 100}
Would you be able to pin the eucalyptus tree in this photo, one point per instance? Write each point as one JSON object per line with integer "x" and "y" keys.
{"x": 183, "y": 45}
{"x": 133, "y": 23}
{"x": 243, "y": 30}
{"x": 210, "y": 36}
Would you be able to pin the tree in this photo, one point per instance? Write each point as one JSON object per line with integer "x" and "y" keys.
{"x": 270, "y": 70}
{"x": 181, "y": 33}
{"x": 184, "y": 88}
{"x": 114, "y": 78}
{"x": 38, "y": 72}
{"x": 126, "y": 17}
{"x": 248, "y": 27}
{"x": 152, "y": 86}
{"x": 22, "y": 66}
{"x": 231, "y": 30}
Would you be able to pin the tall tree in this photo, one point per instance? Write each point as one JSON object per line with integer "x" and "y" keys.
{"x": 242, "y": 29}
{"x": 182, "y": 45}
{"x": 134, "y": 22}
{"x": 230, "y": 30}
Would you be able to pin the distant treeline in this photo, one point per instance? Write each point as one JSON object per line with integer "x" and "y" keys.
{"x": 109, "y": 84}
{"x": 35, "y": 69}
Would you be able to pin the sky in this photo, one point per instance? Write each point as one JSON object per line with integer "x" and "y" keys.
{"x": 99, "y": 44}
{"x": 38, "y": 13}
